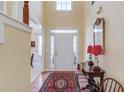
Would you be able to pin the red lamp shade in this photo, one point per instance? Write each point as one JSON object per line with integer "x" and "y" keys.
{"x": 89, "y": 49}
{"x": 96, "y": 50}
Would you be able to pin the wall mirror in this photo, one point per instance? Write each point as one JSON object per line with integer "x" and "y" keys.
{"x": 99, "y": 33}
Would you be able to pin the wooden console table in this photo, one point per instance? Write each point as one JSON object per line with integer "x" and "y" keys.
{"x": 91, "y": 81}
{"x": 96, "y": 74}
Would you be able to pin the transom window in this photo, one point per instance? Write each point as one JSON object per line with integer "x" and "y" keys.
{"x": 64, "y": 31}
{"x": 63, "y": 5}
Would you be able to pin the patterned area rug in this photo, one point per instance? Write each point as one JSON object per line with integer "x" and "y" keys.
{"x": 61, "y": 82}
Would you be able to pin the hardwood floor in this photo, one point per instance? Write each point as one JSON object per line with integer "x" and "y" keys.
{"x": 38, "y": 82}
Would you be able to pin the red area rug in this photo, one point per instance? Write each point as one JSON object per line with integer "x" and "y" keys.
{"x": 61, "y": 82}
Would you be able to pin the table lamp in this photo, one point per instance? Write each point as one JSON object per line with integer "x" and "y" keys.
{"x": 96, "y": 50}
{"x": 90, "y": 62}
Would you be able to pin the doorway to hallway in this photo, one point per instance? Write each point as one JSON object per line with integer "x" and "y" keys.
{"x": 64, "y": 50}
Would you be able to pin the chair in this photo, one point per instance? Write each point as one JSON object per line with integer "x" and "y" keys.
{"x": 111, "y": 85}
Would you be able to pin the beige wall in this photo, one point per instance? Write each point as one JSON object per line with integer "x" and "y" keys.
{"x": 53, "y": 19}
{"x": 113, "y": 59}
{"x": 15, "y": 60}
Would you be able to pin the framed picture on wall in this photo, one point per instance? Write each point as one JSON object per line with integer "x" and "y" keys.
{"x": 32, "y": 43}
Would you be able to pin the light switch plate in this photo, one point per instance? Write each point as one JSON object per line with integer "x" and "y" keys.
{"x": 1, "y": 33}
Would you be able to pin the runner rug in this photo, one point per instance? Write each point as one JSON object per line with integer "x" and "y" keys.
{"x": 61, "y": 82}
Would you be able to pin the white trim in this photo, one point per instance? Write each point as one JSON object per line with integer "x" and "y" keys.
{"x": 5, "y": 7}
{"x": 37, "y": 28}
{"x": 49, "y": 35}
{"x": 43, "y": 49}
{"x": 13, "y": 22}
{"x": 65, "y": 28}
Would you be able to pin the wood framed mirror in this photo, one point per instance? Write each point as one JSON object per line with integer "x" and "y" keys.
{"x": 99, "y": 33}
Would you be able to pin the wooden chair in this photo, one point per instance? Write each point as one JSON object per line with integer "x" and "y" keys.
{"x": 111, "y": 85}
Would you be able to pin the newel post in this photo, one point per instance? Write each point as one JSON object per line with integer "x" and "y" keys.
{"x": 26, "y": 13}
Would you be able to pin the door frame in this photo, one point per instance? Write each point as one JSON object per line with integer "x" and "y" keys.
{"x": 49, "y": 44}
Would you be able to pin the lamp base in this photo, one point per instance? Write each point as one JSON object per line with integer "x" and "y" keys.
{"x": 90, "y": 64}
{"x": 96, "y": 69}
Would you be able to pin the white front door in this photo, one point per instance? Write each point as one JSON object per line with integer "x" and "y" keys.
{"x": 63, "y": 52}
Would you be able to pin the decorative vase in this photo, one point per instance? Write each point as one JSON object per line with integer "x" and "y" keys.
{"x": 90, "y": 64}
